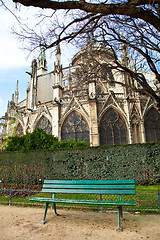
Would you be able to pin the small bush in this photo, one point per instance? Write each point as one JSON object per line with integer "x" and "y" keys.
{"x": 39, "y": 139}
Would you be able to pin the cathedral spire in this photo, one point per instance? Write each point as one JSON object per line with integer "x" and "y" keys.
{"x": 133, "y": 64}
{"x": 8, "y": 106}
{"x": 58, "y": 49}
{"x": 58, "y": 67}
{"x": 125, "y": 53}
{"x": 16, "y": 94}
{"x": 58, "y": 55}
{"x": 12, "y": 98}
{"x": 90, "y": 40}
{"x": 28, "y": 87}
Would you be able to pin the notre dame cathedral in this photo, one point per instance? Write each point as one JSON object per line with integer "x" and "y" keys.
{"x": 84, "y": 102}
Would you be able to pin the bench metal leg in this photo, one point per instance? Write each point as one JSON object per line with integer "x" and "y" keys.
{"x": 119, "y": 219}
{"x": 121, "y": 212}
{"x": 55, "y": 211}
{"x": 45, "y": 213}
{"x": 159, "y": 200}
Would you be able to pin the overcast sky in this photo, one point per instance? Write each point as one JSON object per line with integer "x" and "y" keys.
{"x": 13, "y": 60}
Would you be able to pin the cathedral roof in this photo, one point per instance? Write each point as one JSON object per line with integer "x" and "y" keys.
{"x": 92, "y": 51}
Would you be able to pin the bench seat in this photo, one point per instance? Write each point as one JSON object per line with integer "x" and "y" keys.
{"x": 77, "y": 201}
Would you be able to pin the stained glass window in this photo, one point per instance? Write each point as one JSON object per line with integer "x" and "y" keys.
{"x": 75, "y": 127}
{"x": 45, "y": 124}
{"x": 112, "y": 129}
{"x": 152, "y": 125}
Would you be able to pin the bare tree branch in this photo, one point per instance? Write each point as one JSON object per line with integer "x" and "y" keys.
{"x": 135, "y": 8}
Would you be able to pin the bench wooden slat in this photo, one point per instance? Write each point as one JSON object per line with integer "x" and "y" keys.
{"x": 89, "y": 191}
{"x": 108, "y": 182}
{"x": 71, "y": 186}
{"x": 77, "y": 201}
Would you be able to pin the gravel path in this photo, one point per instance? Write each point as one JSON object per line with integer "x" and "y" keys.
{"x": 23, "y": 223}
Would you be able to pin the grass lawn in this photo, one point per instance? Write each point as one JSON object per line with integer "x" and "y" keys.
{"x": 147, "y": 189}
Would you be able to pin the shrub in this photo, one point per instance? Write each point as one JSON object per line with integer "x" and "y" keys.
{"x": 39, "y": 139}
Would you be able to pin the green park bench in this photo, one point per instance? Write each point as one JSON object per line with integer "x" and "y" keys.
{"x": 100, "y": 187}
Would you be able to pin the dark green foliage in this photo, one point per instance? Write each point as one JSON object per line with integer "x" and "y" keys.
{"x": 137, "y": 161}
{"x": 39, "y": 139}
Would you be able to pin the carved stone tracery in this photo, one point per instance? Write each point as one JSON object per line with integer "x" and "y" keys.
{"x": 45, "y": 124}
{"x": 112, "y": 128}
{"x": 75, "y": 127}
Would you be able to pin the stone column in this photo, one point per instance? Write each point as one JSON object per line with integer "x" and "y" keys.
{"x": 55, "y": 120}
{"x": 57, "y": 95}
{"x": 94, "y": 135}
{"x": 126, "y": 109}
{"x": 143, "y": 135}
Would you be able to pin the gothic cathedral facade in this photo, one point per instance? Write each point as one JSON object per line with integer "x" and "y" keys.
{"x": 84, "y": 101}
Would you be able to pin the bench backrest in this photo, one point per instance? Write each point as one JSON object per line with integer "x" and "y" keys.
{"x": 90, "y": 187}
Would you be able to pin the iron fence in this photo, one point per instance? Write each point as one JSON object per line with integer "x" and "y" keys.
{"x": 146, "y": 202}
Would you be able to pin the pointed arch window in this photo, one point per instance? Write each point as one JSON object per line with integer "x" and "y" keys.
{"x": 75, "y": 127}
{"x": 152, "y": 125}
{"x": 45, "y": 124}
{"x": 112, "y": 129}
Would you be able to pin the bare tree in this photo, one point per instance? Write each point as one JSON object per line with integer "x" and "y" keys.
{"x": 130, "y": 24}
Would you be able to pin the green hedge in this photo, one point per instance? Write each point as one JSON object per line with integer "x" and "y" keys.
{"x": 137, "y": 161}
